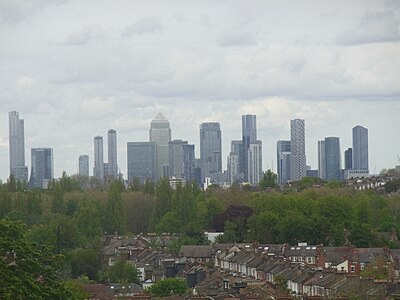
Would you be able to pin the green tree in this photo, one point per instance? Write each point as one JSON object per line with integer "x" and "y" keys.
{"x": 163, "y": 200}
{"x": 114, "y": 214}
{"x": 85, "y": 262}
{"x": 121, "y": 272}
{"x": 168, "y": 287}
{"x": 27, "y": 271}
{"x": 268, "y": 180}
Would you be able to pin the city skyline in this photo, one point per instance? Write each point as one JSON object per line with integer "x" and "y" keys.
{"x": 332, "y": 64}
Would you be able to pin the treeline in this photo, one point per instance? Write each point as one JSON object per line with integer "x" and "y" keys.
{"x": 329, "y": 215}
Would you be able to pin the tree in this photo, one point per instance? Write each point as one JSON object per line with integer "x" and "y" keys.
{"x": 268, "y": 180}
{"x": 85, "y": 262}
{"x": 27, "y": 271}
{"x": 121, "y": 272}
{"x": 168, "y": 287}
{"x": 114, "y": 215}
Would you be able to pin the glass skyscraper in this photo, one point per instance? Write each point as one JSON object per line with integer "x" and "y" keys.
{"x": 17, "y": 147}
{"x": 42, "y": 167}
{"x": 298, "y": 150}
{"x": 84, "y": 165}
{"x": 249, "y": 136}
{"x": 283, "y": 161}
{"x": 332, "y": 158}
{"x": 360, "y": 148}
{"x": 98, "y": 170}
{"x": 142, "y": 161}
{"x": 112, "y": 169}
{"x": 160, "y": 134}
{"x": 210, "y": 149}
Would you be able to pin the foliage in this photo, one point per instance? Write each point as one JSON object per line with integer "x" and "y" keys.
{"x": 77, "y": 290}
{"x": 168, "y": 287}
{"x": 26, "y": 270}
{"x": 121, "y": 272}
{"x": 268, "y": 180}
{"x": 85, "y": 262}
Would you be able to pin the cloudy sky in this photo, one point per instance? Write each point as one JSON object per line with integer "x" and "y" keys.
{"x": 74, "y": 69}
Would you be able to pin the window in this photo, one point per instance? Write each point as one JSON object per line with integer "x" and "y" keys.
{"x": 353, "y": 269}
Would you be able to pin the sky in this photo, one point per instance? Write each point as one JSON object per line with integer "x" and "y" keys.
{"x": 74, "y": 69}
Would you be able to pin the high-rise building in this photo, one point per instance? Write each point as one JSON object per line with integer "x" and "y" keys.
{"x": 160, "y": 133}
{"x": 142, "y": 161}
{"x": 42, "y": 167}
{"x": 348, "y": 159}
{"x": 98, "y": 170}
{"x": 321, "y": 160}
{"x": 283, "y": 161}
{"x": 232, "y": 168}
{"x": 360, "y": 148}
{"x": 298, "y": 150}
{"x": 84, "y": 165}
{"x": 17, "y": 147}
{"x": 112, "y": 154}
{"x": 332, "y": 158}
{"x": 254, "y": 162}
{"x": 181, "y": 160}
{"x": 210, "y": 149}
{"x": 249, "y": 136}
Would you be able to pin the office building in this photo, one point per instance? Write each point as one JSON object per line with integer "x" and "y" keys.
{"x": 360, "y": 148}
{"x": 283, "y": 161}
{"x": 232, "y": 168}
{"x": 237, "y": 149}
{"x": 298, "y": 150}
{"x": 160, "y": 134}
{"x": 142, "y": 161}
{"x": 189, "y": 163}
{"x": 17, "y": 147}
{"x": 112, "y": 167}
{"x": 210, "y": 149}
{"x": 348, "y": 159}
{"x": 84, "y": 165}
{"x": 42, "y": 169}
{"x": 181, "y": 160}
{"x": 332, "y": 158}
{"x": 98, "y": 170}
{"x": 321, "y": 160}
{"x": 254, "y": 162}
{"x": 249, "y": 136}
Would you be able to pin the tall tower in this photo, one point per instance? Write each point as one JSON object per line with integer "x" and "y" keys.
{"x": 112, "y": 154}
{"x": 348, "y": 159}
{"x": 98, "y": 170}
{"x": 321, "y": 160}
{"x": 232, "y": 168}
{"x": 142, "y": 161}
{"x": 332, "y": 158}
{"x": 237, "y": 149}
{"x": 17, "y": 147}
{"x": 210, "y": 149}
{"x": 298, "y": 150}
{"x": 254, "y": 162}
{"x": 283, "y": 161}
{"x": 360, "y": 148}
{"x": 84, "y": 165}
{"x": 42, "y": 167}
{"x": 160, "y": 134}
{"x": 249, "y": 136}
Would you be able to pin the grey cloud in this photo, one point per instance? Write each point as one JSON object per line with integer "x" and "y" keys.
{"x": 374, "y": 27}
{"x": 143, "y": 26}
{"x": 235, "y": 38}
{"x": 84, "y": 36}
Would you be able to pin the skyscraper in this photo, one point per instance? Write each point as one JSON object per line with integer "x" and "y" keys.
{"x": 98, "y": 170}
{"x": 176, "y": 161}
{"x": 249, "y": 136}
{"x": 232, "y": 168}
{"x": 348, "y": 159}
{"x": 142, "y": 161}
{"x": 210, "y": 149}
{"x": 298, "y": 150}
{"x": 332, "y": 158}
{"x": 321, "y": 160}
{"x": 42, "y": 167}
{"x": 189, "y": 163}
{"x": 283, "y": 161}
{"x": 360, "y": 148}
{"x": 254, "y": 162}
{"x": 160, "y": 133}
{"x": 112, "y": 154}
{"x": 17, "y": 147}
{"x": 84, "y": 165}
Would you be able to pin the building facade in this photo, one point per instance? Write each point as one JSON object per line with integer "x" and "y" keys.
{"x": 98, "y": 170}
{"x": 237, "y": 149}
{"x": 160, "y": 134}
{"x": 249, "y": 136}
{"x": 142, "y": 161}
{"x": 254, "y": 162}
{"x": 332, "y": 158}
{"x": 42, "y": 169}
{"x": 360, "y": 148}
{"x": 84, "y": 165}
{"x": 210, "y": 149}
{"x": 298, "y": 151}
{"x": 232, "y": 168}
{"x": 112, "y": 168}
{"x": 348, "y": 159}
{"x": 283, "y": 161}
{"x": 17, "y": 147}
{"x": 321, "y": 160}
